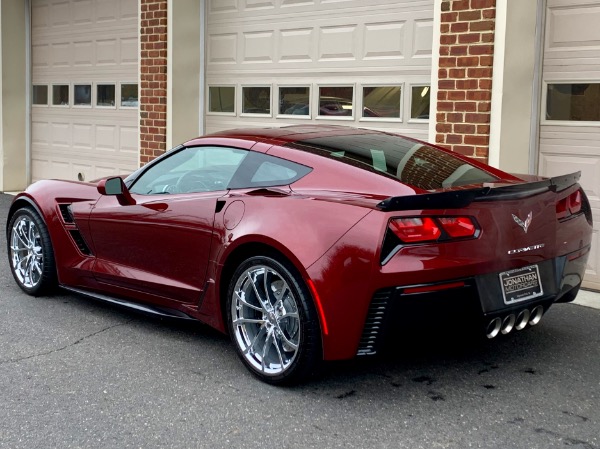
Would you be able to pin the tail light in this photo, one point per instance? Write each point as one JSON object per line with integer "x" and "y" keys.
{"x": 571, "y": 205}
{"x": 431, "y": 229}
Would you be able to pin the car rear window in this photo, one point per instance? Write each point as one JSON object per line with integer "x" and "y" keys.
{"x": 411, "y": 162}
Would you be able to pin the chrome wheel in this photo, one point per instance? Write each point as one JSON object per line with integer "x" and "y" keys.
{"x": 26, "y": 252}
{"x": 265, "y": 320}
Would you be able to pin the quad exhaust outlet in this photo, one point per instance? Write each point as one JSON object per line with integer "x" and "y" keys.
{"x": 508, "y": 323}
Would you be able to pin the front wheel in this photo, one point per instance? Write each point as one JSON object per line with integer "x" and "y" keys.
{"x": 272, "y": 321}
{"x": 30, "y": 252}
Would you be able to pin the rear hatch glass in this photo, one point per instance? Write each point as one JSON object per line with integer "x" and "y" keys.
{"x": 413, "y": 163}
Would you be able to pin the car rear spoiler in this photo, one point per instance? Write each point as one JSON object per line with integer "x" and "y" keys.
{"x": 461, "y": 198}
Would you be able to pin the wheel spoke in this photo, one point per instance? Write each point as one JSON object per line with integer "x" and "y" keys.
{"x": 265, "y": 349}
{"x": 276, "y": 344}
{"x": 254, "y": 340}
{"x": 247, "y": 304}
{"x": 258, "y": 297}
{"x": 241, "y": 321}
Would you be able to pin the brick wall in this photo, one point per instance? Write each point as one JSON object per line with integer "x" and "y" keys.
{"x": 465, "y": 76}
{"x": 153, "y": 88}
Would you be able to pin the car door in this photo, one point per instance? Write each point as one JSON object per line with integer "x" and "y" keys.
{"x": 158, "y": 248}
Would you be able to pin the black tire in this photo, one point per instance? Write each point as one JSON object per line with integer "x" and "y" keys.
{"x": 281, "y": 342}
{"x": 30, "y": 253}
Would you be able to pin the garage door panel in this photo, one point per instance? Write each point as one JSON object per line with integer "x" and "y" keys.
{"x": 99, "y": 45}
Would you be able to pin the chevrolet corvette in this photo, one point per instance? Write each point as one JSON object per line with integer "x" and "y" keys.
{"x": 308, "y": 243}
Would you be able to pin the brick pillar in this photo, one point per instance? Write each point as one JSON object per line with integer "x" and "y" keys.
{"x": 465, "y": 76}
{"x": 153, "y": 88}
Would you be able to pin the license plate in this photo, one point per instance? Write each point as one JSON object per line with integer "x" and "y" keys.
{"x": 521, "y": 284}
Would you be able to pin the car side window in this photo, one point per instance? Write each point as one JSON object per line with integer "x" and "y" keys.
{"x": 263, "y": 170}
{"x": 194, "y": 169}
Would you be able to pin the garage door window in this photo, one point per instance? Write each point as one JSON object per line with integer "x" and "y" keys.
{"x": 221, "y": 99}
{"x": 129, "y": 95}
{"x": 336, "y": 102}
{"x": 105, "y": 95}
{"x": 381, "y": 102}
{"x": 256, "y": 100}
{"x": 39, "y": 95}
{"x": 294, "y": 101}
{"x": 419, "y": 102}
{"x": 573, "y": 102}
{"x": 82, "y": 94}
{"x": 60, "y": 95}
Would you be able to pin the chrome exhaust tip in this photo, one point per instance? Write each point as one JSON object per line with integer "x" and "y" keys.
{"x": 508, "y": 323}
{"x": 536, "y": 315}
{"x": 522, "y": 319}
{"x": 493, "y": 328}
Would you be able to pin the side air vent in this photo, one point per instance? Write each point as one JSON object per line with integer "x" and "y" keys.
{"x": 80, "y": 242}
{"x": 65, "y": 212}
{"x": 374, "y": 323}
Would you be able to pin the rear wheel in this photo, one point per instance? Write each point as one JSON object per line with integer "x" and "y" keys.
{"x": 30, "y": 252}
{"x": 272, "y": 321}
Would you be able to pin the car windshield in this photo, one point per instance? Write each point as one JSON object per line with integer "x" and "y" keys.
{"x": 412, "y": 163}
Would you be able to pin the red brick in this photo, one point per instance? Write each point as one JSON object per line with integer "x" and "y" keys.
{"x": 465, "y": 150}
{"x": 457, "y": 50}
{"x": 459, "y": 27}
{"x": 460, "y": 5}
{"x": 482, "y": 25}
{"x": 484, "y": 84}
{"x": 469, "y": 38}
{"x": 467, "y": 84}
{"x": 449, "y": 17}
{"x": 483, "y": 4}
{"x": 446, "y": 84}
{"x": 454, "y": 117}
{"x": 467, "y": 61}
{"x": 477, "y": 118}
{"x": 440, "y": 117}
{"x": 442, "y": 73}
{"x": 479, "y": 95}
{"x": 442, "y": 95}
{"x": 481, "y": 49}
{"x": 465, "y": 106}
{"x": 487, "y": 37}
{"x": 445, "y": 106}
{"x": 483, "y": 129}
{"x": 464, "y": 129}
{"x": 456, "y": 95}
{"x": 439, "y": 138}
{"x": 443, "y": 128}
{"x": 448, "y": 39}
{"x": 486, "y": 61}
{"x": 447, "y": 62}
{"x": 446, "y": 6}
{"x": 457, "y": 73}
{"x": 454, "y": 138}
{"x": 480, "y": 72}
{"x": 484, "y": 106}
{"x": 488, "y": 13}
{"x": 468, "y": 16}
{"x": 444, "y": 28}
{"x": 477, "y": 140}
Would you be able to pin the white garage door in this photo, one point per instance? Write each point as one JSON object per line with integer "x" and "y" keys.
{"x": 358, "y": 62}
{"x": 570, "y": 122}
{"x": 84, "y": 118}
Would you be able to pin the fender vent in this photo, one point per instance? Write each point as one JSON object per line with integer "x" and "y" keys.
{"x": 374, "y": 323}
{"x": 65, "y": 212}
{"x": 80, "y": 242}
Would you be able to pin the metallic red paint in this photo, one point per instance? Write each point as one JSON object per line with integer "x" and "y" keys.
{"x": 326, "y": 224}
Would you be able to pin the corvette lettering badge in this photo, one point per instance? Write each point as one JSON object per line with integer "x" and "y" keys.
{"x": 524, "y": 224}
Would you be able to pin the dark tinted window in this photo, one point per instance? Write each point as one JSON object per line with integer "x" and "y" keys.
{"x": 262, "y": 170}
{"x": 411, "y": 162}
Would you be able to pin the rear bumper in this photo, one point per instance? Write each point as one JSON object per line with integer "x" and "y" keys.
{"x": 467, "y": 302}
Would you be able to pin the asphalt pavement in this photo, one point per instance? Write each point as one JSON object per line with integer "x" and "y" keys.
{"x": 76, "y": 373}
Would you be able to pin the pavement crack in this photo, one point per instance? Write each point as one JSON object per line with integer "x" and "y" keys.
{"x": 52, "y": 351}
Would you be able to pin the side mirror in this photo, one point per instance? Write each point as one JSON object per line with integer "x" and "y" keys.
{"x": 116, "y": 187}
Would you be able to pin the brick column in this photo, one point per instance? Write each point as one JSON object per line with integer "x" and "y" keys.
{"x": 465, "y": 76}
{"x": 153, "y": 88}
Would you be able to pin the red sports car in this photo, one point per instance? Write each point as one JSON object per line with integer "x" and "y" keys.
{"x": 308, "y": 243}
